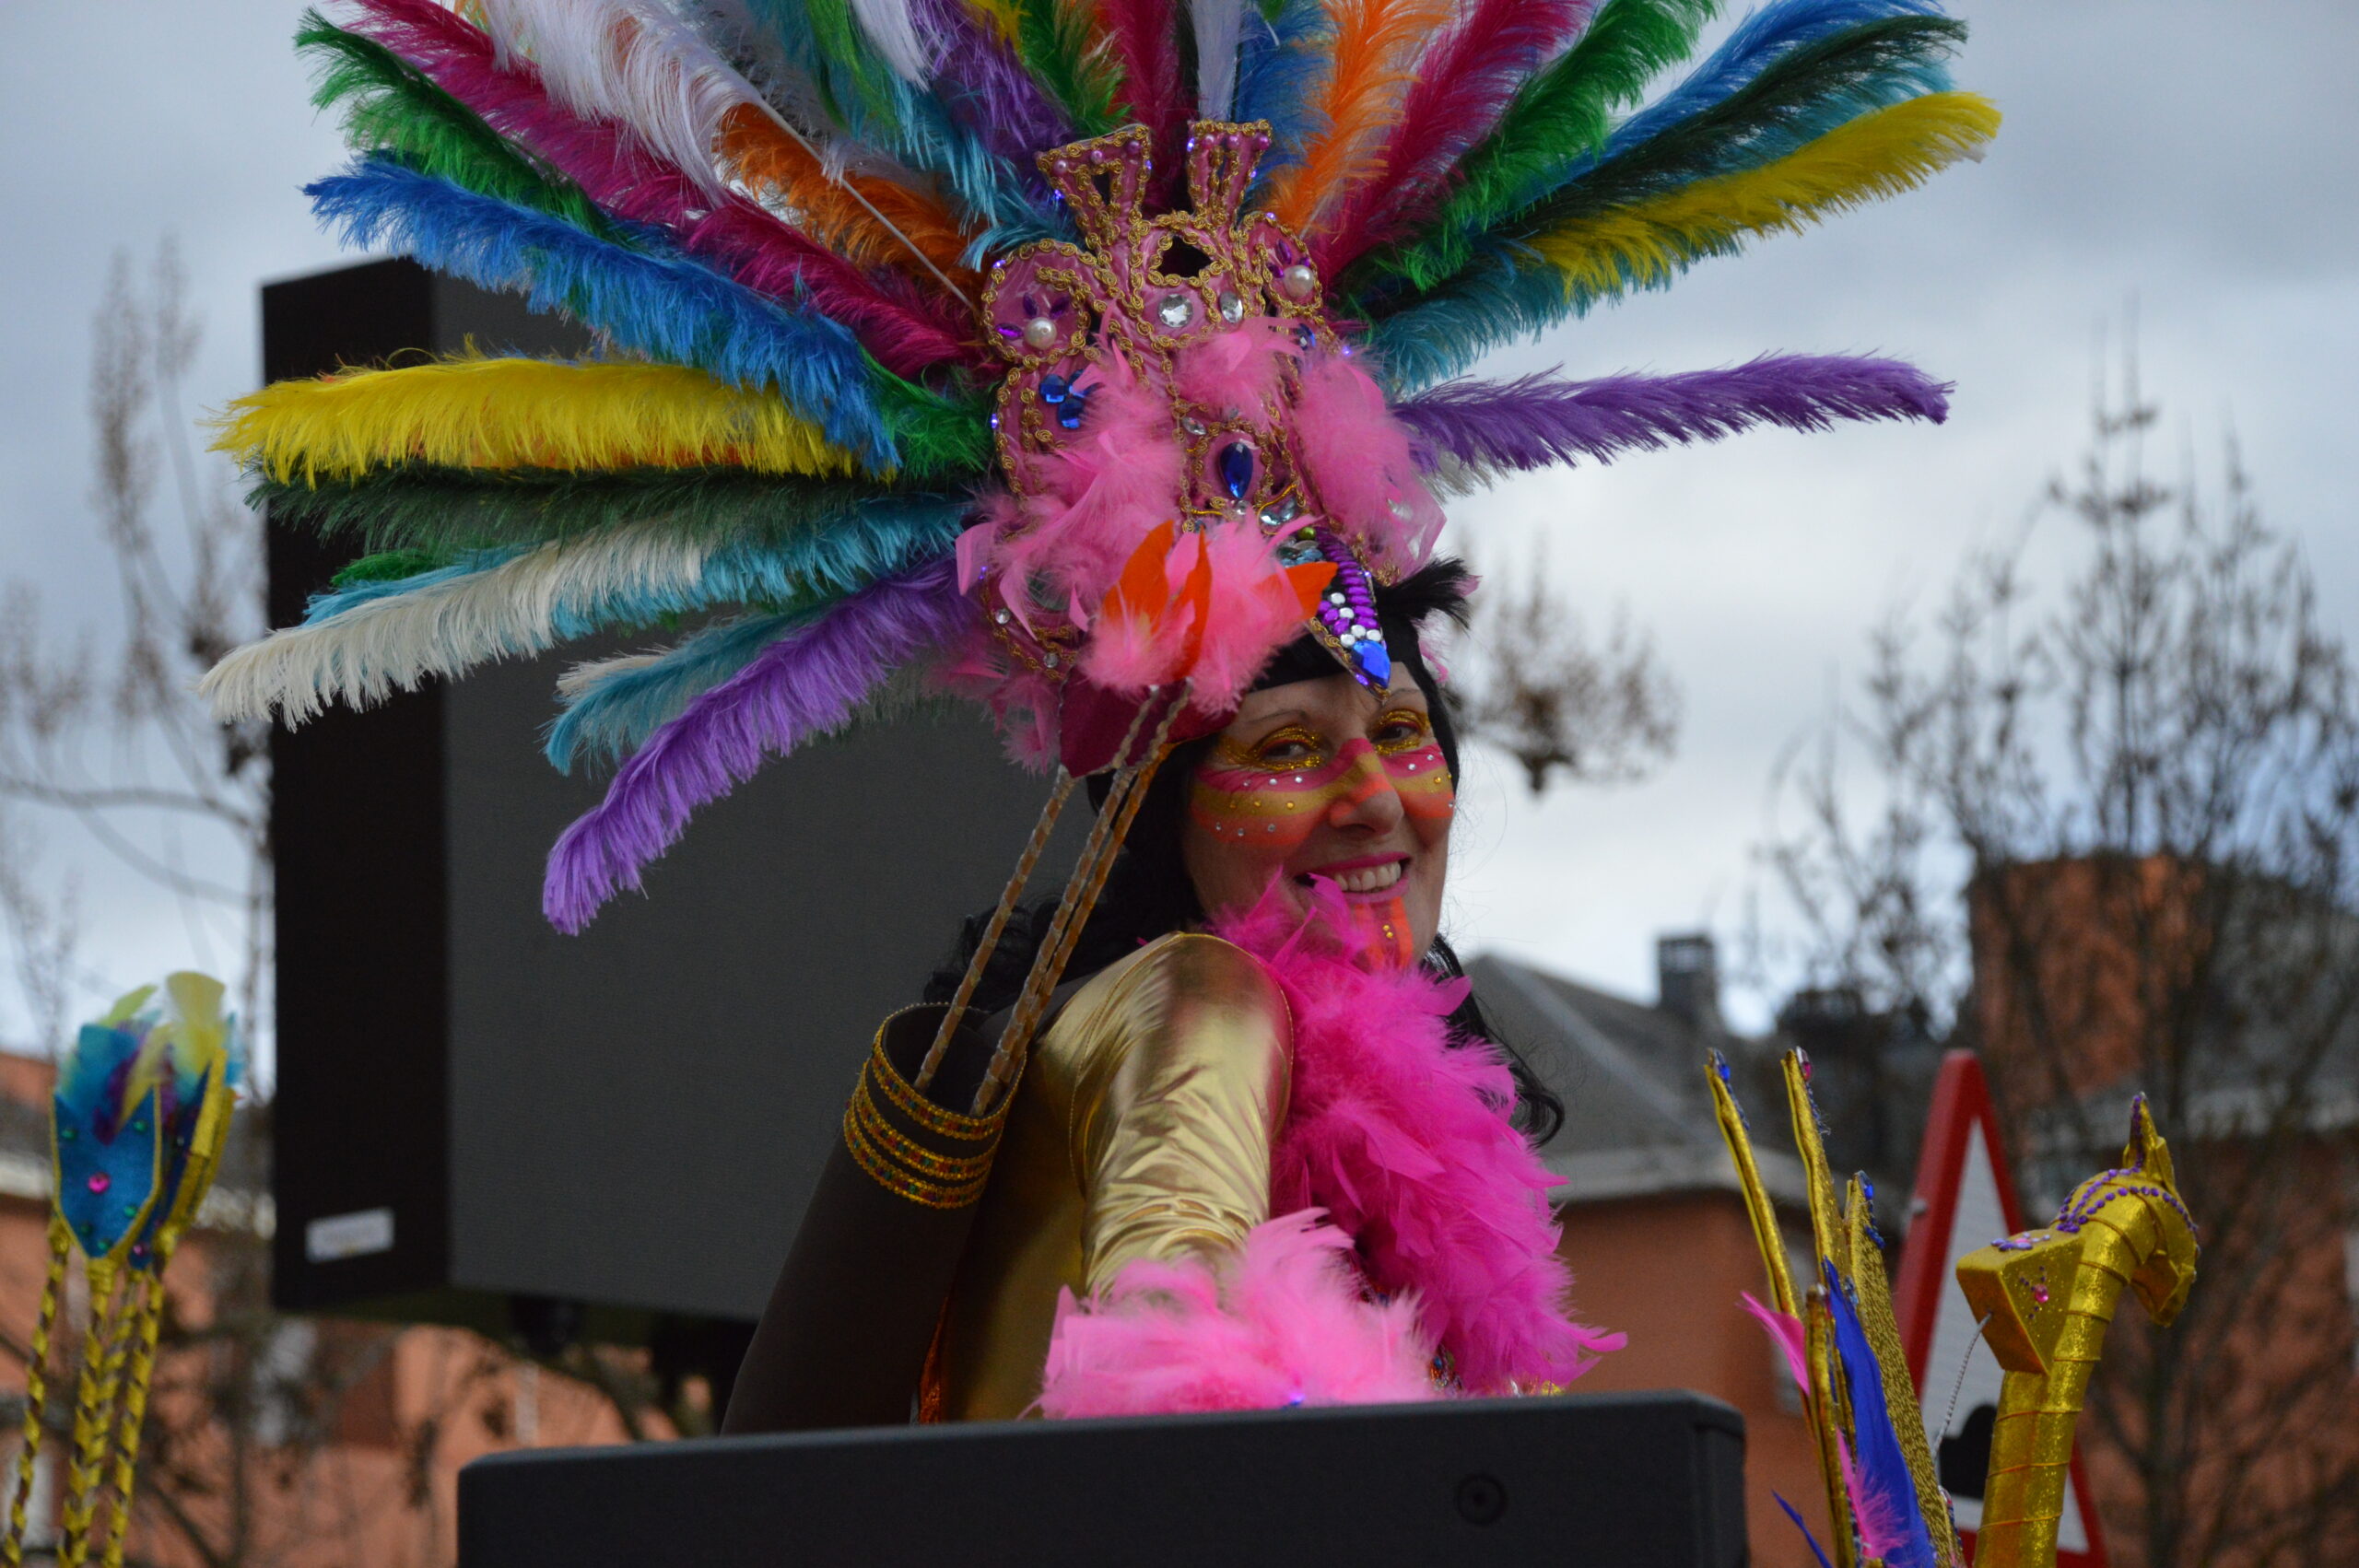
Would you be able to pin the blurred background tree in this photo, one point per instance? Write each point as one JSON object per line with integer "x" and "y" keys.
{"x": 2109, "y": 839}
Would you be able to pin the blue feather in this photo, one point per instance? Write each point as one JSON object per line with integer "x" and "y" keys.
{"x": 1808, "y": 1539}
{"x": 1284, "y": 51}
{"x": 886, "y": 536}
{"x": 888, "y": 114}
{"x": 647, "y": 300}
{"x": 1891, "y": 1524}
{"x": 607, "y": 721}
{"x": 1757, "y": 42}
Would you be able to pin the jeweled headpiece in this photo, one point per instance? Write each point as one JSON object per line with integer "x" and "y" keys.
{"x": 914, "y": 355}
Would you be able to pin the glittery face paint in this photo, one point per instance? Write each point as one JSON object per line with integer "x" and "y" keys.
{"x": 1287, "y": 800}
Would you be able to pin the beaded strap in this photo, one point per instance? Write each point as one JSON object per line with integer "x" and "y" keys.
{"x": 1033, "y": 849}
{"x": 900, "y": 1161}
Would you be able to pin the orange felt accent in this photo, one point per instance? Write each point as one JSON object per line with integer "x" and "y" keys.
{"x": 1196, "y": 600}
{"x": 1142, "y": 590}
{"x": 1309, "y": 581}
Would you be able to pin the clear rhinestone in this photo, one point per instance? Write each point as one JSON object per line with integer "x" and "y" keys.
{"x": 1175, "y": 311}
{"x": 1232, "y": 308}
{"x": 1049, "y": 660}
{"x": 1193, "y": 426}
{"x": 1284, "y": 511}
{"x": 1002, "y": 616}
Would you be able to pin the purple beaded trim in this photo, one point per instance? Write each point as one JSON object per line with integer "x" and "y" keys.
{"x": 1348, "y": 612}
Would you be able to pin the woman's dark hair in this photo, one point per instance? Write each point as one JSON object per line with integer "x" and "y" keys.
{"x": 1148, "y": 893}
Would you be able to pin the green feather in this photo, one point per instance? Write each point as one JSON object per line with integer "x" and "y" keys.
{"x": 940, "y": 436}
{"x": 388, "y": 103}
{"x": 1055, "y": 41}
{"x": 1556, "y": 119}
{"x": 1801, "y": 94}
{"x": 428, "y": 513}
{"x": 389, "y": 566}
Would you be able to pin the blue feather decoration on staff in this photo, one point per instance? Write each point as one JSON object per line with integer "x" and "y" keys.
{"x": 649, "y": 301}
{"x": 1883, "y": 1494}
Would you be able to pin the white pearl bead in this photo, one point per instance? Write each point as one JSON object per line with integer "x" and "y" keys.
{"x": 1298, "y": 282}
{"x": 1040, "y": 332}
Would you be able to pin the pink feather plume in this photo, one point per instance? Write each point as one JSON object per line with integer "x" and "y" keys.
{"x": 1282, "y": 1321}
{"x": 1404, "y": 1137}
{"x": 1359, "y": 461}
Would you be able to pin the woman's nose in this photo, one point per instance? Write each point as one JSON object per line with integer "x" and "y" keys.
{"x": 1364, "y": 801}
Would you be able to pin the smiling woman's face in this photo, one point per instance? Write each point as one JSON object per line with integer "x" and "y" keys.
{"x": 1327, "y": 779}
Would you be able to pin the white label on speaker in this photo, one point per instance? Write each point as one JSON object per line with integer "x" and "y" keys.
{"x": 348, "y": 1235}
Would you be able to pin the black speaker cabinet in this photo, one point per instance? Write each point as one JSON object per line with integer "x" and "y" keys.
{"x": 475, "y": 1112}
{"x": 1619, "y": 1480}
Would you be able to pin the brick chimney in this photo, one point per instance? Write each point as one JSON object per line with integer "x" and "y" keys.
{"x": 1687, "y": 981}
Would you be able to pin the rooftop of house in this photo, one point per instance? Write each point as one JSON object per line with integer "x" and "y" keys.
{"x": 1639, "y": 1118}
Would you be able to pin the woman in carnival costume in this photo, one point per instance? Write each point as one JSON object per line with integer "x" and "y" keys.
{"x": 1091, "y": 358}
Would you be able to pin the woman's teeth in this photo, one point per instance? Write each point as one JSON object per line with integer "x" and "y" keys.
{"x": 1367, "y": 879}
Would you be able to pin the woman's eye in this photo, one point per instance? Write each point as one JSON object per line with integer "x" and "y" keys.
{"x": 1288, "y": 748}
{"x": 1403, "y": 731}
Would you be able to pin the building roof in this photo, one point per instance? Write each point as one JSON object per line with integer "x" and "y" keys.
{"x": 1638, "y": 1118}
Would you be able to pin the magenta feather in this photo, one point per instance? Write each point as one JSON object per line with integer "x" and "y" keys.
{"x": 1145, "y": 38}
{"x": 807, "y": 683}
{"x": 987, "y": 89}
{"x": 904, "y": 329}
{"x": 1462, "y": 86}
{"x": 1403, "y": 1134}
{"x": 1543, "y": 420}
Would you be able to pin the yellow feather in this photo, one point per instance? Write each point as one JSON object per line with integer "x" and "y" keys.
{"x": 471, "y": 411}
{"x": 1878, "y": 155}
{"x": 1002, "y": 13}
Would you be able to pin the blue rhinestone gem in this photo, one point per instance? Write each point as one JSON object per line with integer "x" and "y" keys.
{"x": 1375, "y": 661}
{"x": 1237, "y": 469}
{"x": 1053, "y": 389}
{"x": 1305, "y": 338}
{"x": 1069, "y": 412}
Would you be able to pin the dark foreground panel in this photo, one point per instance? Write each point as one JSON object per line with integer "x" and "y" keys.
{"x": 1630, "y": 1480}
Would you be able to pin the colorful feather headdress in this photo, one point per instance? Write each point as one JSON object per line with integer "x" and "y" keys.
{"x": 1066, "y": 352}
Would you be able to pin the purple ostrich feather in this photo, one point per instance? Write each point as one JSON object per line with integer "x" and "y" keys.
{"x": 1542, "y": 419}
{"x": 988, "y": 89}
{"x": 808, "y": 684}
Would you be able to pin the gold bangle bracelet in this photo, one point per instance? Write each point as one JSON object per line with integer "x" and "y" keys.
{"x": 909, "y": 1150}
{"x": 895, "y": 1179}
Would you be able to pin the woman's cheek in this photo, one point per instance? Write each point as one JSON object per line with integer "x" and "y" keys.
{"x": 1428, "y": 795}
{"x": 1242, "y": 811}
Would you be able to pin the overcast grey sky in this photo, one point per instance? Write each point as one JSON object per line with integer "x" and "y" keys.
{"x": 2196, "y": 157}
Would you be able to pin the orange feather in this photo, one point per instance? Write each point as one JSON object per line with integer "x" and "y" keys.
{"x": 826, "y": 208}
{"x": 1376, "y": 46}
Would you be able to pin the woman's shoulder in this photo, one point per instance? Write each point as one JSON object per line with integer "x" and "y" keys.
{"x": 1187, "y": 965}
{"x": 1175, "y": 985}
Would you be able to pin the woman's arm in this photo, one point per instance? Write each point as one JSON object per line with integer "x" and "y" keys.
{"x": 1178, "y": 1093}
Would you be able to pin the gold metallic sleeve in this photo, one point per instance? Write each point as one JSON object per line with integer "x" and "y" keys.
{"x": 1179, "y": 1087}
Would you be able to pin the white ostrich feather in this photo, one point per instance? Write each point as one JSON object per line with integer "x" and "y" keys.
{"x": 1220, "y": 32}
{"x": 522, "y": 606}
{"x": 904, "y": 42}
{"x": 630, "y": 61}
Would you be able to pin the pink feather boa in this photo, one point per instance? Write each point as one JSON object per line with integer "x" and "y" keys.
{"x": 1402, "y": 1141}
